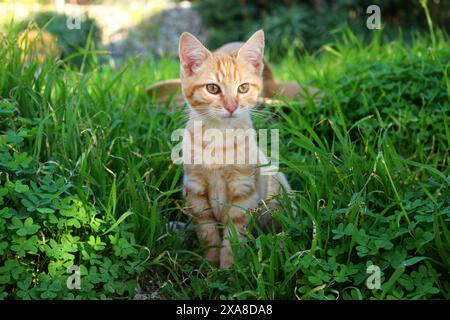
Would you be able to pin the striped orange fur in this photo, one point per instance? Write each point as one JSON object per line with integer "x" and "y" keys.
{"x": 221, "y": 89}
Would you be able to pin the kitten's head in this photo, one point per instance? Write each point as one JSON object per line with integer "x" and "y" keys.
{"x": 220, "y": 85}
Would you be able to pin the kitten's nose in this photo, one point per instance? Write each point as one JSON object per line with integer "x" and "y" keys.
{"x": 231, "y": 107}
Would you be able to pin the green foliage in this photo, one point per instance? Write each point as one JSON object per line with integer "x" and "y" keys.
{"x": 306, "y": 25}
{"x": 296, "y": 28}
{"x": 45, "y": 226}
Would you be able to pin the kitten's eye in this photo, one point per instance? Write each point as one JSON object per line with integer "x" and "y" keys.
{"x": 213, "y": 88}
{"x": 243, "y": 88}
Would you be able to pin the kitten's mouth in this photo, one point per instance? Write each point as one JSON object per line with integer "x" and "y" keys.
{"x": 226, "y": 114}
{"x": 230, "y": 116}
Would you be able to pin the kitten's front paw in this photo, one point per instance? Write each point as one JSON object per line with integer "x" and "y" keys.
{"x": 226, "y": 258}
{"x": 213, "y": 255}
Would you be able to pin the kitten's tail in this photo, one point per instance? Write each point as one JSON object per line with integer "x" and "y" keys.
{"x": 291, "y": 90}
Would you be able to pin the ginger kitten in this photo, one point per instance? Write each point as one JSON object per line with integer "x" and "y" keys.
{"x": 221, "y": 89}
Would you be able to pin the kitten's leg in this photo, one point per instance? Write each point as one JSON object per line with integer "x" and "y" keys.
{"x": 206, "y": 226}
{"x": 238, "y": 216}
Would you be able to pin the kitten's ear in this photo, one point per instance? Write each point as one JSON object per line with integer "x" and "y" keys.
{"x": 192, "y": 53}
{"x": 253, "y": 51}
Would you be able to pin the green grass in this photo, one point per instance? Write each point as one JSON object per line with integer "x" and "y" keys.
{"x": 369, "y": 165}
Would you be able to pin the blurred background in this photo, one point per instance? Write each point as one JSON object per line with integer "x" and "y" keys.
{"x": 128, "y": 28}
